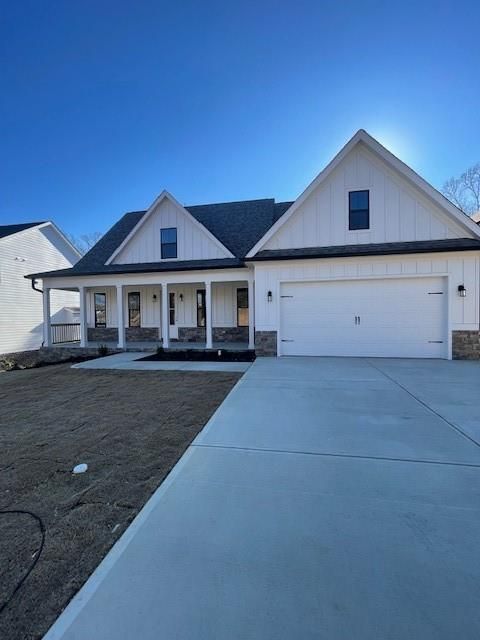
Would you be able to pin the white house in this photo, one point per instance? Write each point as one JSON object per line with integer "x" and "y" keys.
{"x": 23, "y": 248}
{"x": 369, "y": 260}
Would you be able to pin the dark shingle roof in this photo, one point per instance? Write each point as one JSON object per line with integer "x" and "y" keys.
{"x": 238, "y": 226}
{"x": 379, "y": 249}
{"x": 10, "y": 229}
{"x": 95, "y": 259}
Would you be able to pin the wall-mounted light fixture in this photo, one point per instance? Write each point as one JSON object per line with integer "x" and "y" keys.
{"x": 154, "y": 297}
{"x": 462, "y": 292}
{"x": 269, "y": 296}
{"x": 181, "y": 297}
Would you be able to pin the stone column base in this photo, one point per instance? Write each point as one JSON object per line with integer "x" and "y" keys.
{"x": 192, "y": 334}
{"x": 102, "y": 334}
{"x": 230, "y": 334}
{"x": 266, "y": 343}
{"x": 466, "y": 345}
{"x": 142, "y": 334}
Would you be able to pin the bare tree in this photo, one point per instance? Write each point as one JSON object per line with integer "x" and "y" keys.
{"x": 464, "y": 191}
{"x": 86, "y": 241}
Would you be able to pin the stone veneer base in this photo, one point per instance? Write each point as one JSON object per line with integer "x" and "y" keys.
{"x": 102, "y": 334}
{"x": 132, "y": 334}
{"x": 466, "y": 345}
{"x": 266, "y": 343}
{"x": 142, "y": 334}
{"x": 219, "y": 334}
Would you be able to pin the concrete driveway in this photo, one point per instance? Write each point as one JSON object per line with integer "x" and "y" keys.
{"x": 327, "y": 498}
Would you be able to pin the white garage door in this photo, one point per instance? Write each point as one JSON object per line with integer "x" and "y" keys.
{"x": 398, "y": 317}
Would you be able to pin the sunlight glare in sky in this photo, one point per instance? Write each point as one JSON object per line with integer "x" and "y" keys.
{"x": 399, "y": 144}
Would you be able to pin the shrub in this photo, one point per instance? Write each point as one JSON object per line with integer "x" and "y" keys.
{"x": 102, "y": 350}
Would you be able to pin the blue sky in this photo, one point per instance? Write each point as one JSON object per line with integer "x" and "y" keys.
{"x": 104, "y": 104}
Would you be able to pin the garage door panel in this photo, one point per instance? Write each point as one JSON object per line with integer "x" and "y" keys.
{"x": 403, "y": 317}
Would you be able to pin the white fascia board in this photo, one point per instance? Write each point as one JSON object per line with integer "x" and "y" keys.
{"x": 149, "y": 212}
{"x": 373, "y": 145}
{"x": 43, "y": 225}
{"x": 322, "y": 176}
{"x": 62, "y": 236}
{"x": 413, "y": 177}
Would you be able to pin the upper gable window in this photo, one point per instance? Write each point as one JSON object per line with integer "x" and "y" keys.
{"x": 168, "y": 239}
{"x": 358, "y": 210}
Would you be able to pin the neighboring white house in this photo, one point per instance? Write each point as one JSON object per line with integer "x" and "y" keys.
{"x": 369, "y": 260}
{"x": 23, "y": 249}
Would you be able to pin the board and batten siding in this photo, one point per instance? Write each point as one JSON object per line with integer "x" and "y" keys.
{"x": 398, "y": 210}
{"x": 461, "y": 268}
{"x": 224, "y": 304}
{"x": 192, "y": 241}
{"x": 21, "y": 308}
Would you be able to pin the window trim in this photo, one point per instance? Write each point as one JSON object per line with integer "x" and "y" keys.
{"x": 203, "y": 306}
{"x": 101, "y": 325}
{"x": 134, "y": 293}
{"x": 168, "y": 244}
{"x": 354, "y": 210}
{"x": 247, "y": 307}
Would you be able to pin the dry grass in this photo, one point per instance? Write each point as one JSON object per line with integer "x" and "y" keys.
{"x": 129, "y": 426}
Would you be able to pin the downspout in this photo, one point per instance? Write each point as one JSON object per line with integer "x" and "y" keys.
{"x": 34, "y": 282}
{"x": 35, "y": 288}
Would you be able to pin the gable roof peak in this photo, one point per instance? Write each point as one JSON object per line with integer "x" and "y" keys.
{"x": 151, "y": 209}
{"x": 391, "y": 160}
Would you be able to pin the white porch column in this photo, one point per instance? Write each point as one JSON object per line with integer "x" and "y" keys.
{"x": 165, "y": 315}
{"x": 120, "y": 317}
{"x": 83, "y": 316}
{"x": 47, "y": 341}
{"x": 251, "y": 314}
{"x": 208, "y": 313}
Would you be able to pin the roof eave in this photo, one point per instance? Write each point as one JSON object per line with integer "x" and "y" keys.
{"x": 181, "y": 267}
{"x": 356, "y": 254}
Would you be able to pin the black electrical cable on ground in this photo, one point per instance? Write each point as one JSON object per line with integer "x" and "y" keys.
{"x": 37, "y": 554}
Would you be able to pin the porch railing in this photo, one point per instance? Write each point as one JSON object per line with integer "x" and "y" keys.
{"x": 66, "y": 332}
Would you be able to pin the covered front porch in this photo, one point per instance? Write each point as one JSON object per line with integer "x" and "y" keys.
{"x": 142, "y": 315}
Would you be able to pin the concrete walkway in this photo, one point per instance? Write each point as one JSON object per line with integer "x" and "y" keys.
{"x": 326, "y": 499}
{"x": 126, "y": 360}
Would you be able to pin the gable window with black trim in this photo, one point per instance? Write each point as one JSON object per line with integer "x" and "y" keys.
{"x": 201, "y": 308}
{"x": 100, "y": 309}
{"x": 242, "y": 307}
{"x": 359, "y": 210}
{"x": 168, "y": 239}
{"x": 133, "y": 309}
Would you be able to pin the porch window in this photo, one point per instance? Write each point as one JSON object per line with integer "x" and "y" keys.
{"x": 171, "y": 307}
{"x": 201, "y": 308}
{"x": 168, "y": 239}
{"x": 100, "y": 309}
{"x": 242, "y": 307}
{"x": 134, "y": 309}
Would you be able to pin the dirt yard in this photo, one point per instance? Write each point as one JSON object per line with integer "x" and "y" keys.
{"x": 130, "y": 427}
